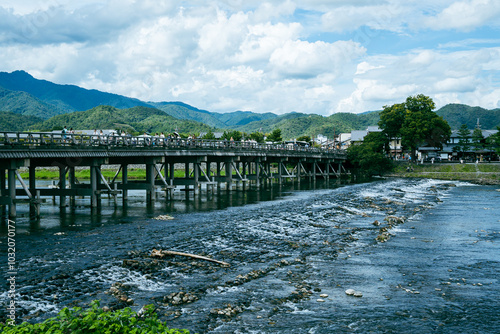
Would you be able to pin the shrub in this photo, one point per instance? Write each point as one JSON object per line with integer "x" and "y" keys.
{"x": 97, "y": 320}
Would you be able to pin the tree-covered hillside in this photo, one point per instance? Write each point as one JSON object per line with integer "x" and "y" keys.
{"x": 184, "y": 111}
{"x": 10, "y": 121}
{"x": 132, "y": 120}
{"x": 66, "y": 98}
{"x": 241, "y": 118}
{"x": 25, "y": 104}
{"x": 294, "y": 125}
{"x": 458, "y": 114}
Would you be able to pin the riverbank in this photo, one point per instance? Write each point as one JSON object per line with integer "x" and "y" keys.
{"x": 480, "y": 173}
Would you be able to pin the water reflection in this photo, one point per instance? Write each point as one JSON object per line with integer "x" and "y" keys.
{"x": 115, "y": 210}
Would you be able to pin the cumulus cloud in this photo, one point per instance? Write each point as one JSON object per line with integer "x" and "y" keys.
{"x": 466, "y": 15}
{"x": 295, "y": 55}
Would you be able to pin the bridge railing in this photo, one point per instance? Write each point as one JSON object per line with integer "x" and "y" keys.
{"x": 53, "y": 140}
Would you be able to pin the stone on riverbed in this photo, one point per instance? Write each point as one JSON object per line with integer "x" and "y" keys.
{"x": 163, "y": 217}
{"x": 352, "y": 292}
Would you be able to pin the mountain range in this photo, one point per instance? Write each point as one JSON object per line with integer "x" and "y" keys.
{"x": 30, "y": 103}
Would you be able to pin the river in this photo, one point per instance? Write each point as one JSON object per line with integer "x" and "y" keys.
{"x": 293, "y": 253}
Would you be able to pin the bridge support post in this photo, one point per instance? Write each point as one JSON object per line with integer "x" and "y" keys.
{"x": 196, "y": 176}
{"x": 124, "y": 183}
{"x": 35, "y": 200}
{"x": 3, "y": 191}
{"x": 229, "y": 175}
{"x": 150, "y": 181}
{"x": 93, "y": 187}
{"x": 62, "y": 186}
{"x": 218, "y": 175}
{"x": 257, "y": 174}
{"x": 72, "y": 183}
{"x": 12, "y": 192}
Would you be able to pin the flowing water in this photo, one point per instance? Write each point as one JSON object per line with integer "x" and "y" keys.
{"x": 292, "y": 254}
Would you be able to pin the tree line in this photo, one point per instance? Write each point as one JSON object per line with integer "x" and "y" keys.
{"x": 416, "y": 124}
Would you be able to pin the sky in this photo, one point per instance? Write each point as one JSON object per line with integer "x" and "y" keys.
{"x": 308, "y": 56}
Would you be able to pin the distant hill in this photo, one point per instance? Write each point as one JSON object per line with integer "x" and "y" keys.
{"x": 186, "y": 112}
{"x": 240, "y": 118}
{"x": 23, "y": 94}
{"x": 458, "y": 114}
{"x": 66, "y": 98}
{"x": 25, "y": 104}
{"x": 133, "y": 120}
{"x": 227, "y": 120}
{"x": 294, "y": 125}
{"x": 10, "y": 121}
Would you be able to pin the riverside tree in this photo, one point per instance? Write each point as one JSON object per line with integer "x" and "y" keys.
{"x": 368, "y": 158}
{"x": 415, "y": 122}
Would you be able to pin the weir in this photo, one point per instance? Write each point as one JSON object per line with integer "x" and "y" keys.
{"x": 207, "y": 164}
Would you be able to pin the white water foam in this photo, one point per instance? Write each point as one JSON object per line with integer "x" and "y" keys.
{"x": 107, "y": 274}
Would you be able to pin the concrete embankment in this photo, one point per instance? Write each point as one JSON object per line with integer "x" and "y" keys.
{"x": 481, "y": 173}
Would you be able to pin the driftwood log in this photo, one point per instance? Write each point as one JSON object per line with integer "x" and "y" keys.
{"x": 162, "y": 253}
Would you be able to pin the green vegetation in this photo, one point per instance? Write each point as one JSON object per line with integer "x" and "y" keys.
{"x": 84, "y": 174}
{"x": 458, "y": 114}
{"x": 368, "y": 158}
{"x": 97, "y": 320}
{"x": 134, "y": 120}
{"x": 275, "y": 136}
{"x": 416, "y": 124}
{"x": 487, "y": 173}
{"x": 294, "y": 125}
{"x": 15, "y": 122}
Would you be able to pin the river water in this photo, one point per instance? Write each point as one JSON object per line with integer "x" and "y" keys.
{"x": 293, "y": 253}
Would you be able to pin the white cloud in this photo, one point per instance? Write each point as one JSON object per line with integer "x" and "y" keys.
{"x": 277, "y": 56}
{"x": 466, "y": 15}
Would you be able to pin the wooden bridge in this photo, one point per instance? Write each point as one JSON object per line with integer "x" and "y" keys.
{"x": 207, "y": 163}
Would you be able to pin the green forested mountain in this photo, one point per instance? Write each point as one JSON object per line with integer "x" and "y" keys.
{"x": 294, "y": 125}
{"x": 10, "y": 121}
{"x": 136, "y": 119}
{"x": 241, "y": 118}
{"x": 66, "y": 98}
{"x": 458, "y": 114}
{"x": 25, "y": 104}
{"x": 184, "y": 111}
{"x": 227, "y": 120}
{"x": 20, "y": 93}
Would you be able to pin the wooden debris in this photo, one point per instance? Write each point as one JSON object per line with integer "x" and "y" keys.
{"x": 162, "y": 253}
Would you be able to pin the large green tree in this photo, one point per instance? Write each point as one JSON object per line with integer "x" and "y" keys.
{"x": 415, "y": 122}
{"x": 275, "y": 136}
{"x": 478, "y": 139}
{"x": 369, "y": 157}
{"x": 463, "y": 139}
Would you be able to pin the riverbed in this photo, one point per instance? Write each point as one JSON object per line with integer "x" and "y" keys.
{"x": 422, "y": 254}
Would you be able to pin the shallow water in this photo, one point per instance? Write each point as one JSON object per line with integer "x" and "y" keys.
{"x": 436, "y": 272}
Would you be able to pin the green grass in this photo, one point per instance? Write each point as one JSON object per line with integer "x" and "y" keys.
{"x": 489, "y": 172}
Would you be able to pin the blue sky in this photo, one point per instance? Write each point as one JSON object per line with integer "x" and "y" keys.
{"x": 314, "y": 56}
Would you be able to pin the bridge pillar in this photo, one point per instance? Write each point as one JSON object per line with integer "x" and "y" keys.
{"x": 218, "y": 175}
{"x": 11, "y": 175}
{"x": 196, "y": 176}
{"x": 3, "y": 191}
{"x": 257, "y": 174}
{"x": 62, "y": 186}
{"x": 35, "y": 200}
{"x": 124, "y": 183}
{"x": 72, "y": 185}
{"x": 93, "y": 187}
{"x": 229, "y": 175}
{"x": 150, "y": 181}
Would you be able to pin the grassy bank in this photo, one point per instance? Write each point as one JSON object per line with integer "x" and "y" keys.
{"x": 84, "y": 174}
{"x": 484, "y": 173}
